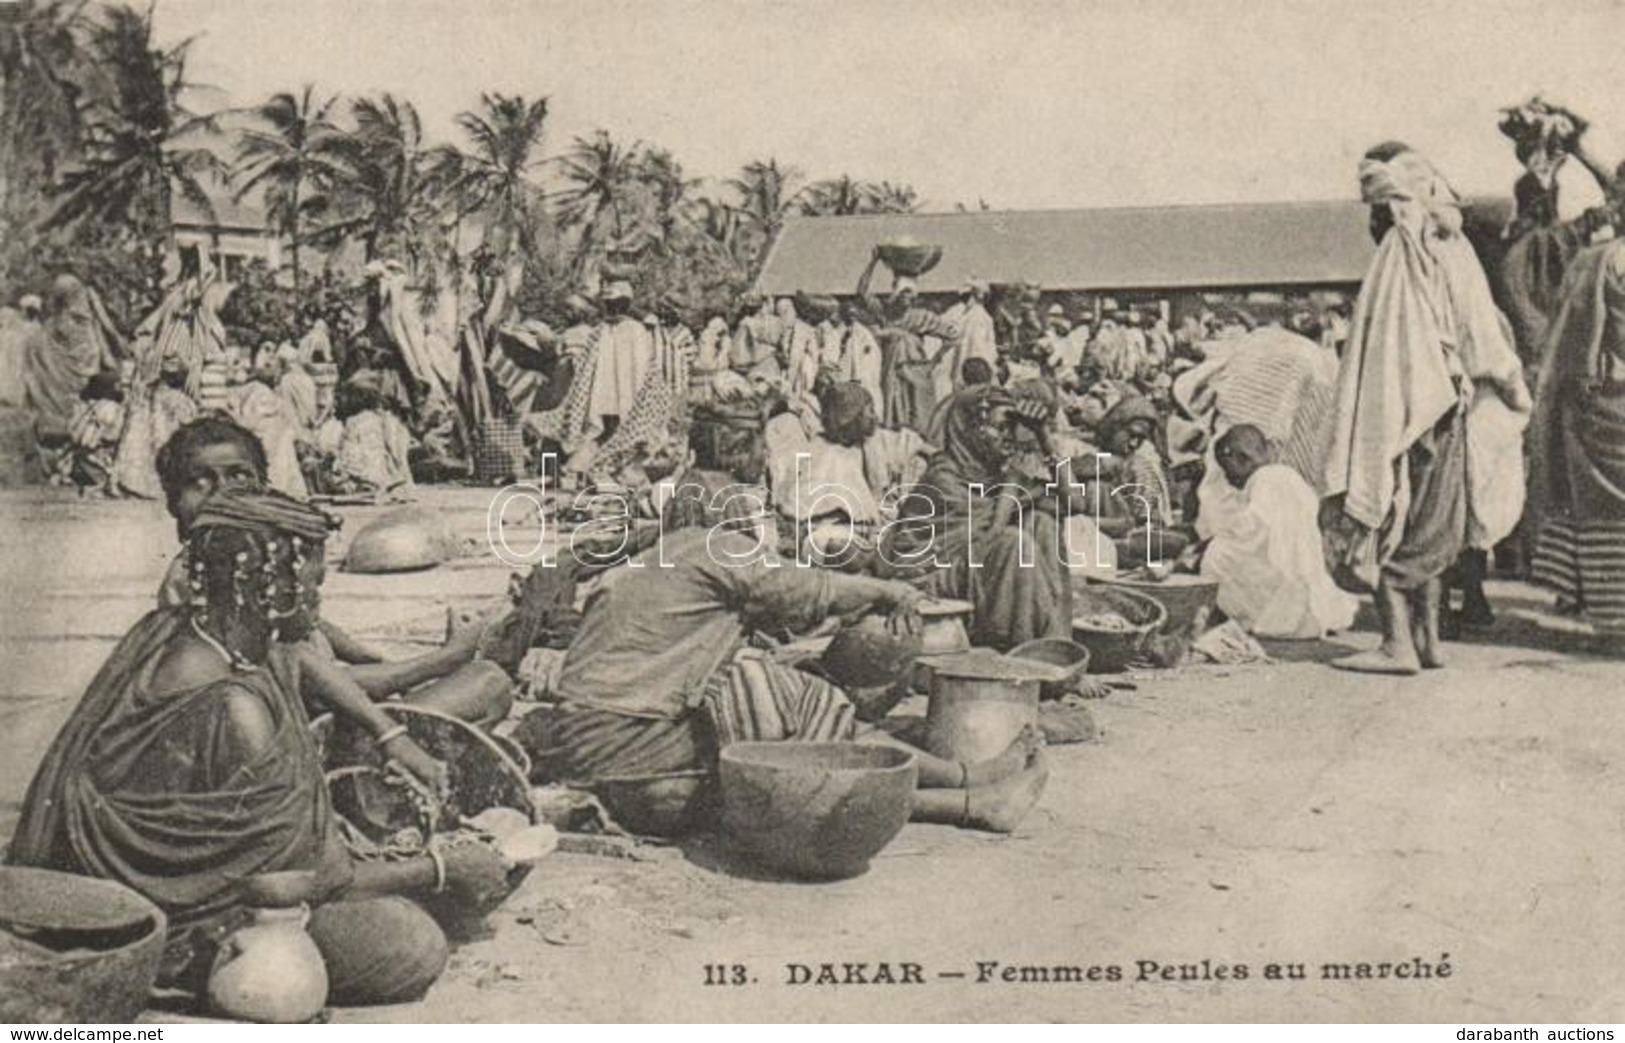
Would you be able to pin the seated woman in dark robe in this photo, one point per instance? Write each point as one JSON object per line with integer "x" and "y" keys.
{"x": 982, "y": 526}
{"x": 189, "y": 768}
{"x": 1141, "y": 497}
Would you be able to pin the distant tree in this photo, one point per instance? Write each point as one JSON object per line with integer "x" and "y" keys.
{"x": 43, "y": 63}
{"x": 896, "y": 198}
{"x": 837, "y": 197}
{"x": 296, "y": 157}
{"x": 599, "y": 201}
{"x": 260, "y": 309}
{"x": 767, "y": 195}
{"x": 143, "y": 144}
{"x": 495, "y": 175}
{"x": 670, "y": 217}
{"x": 722, "y": 233}
{"x": 383, "y": 196}
{"x": 40, "y": 123}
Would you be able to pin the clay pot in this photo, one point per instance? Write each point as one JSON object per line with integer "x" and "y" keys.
{"x": 946, "y": 626}
{"x": 271, "y": 970}
{"x": 866, "y": 654}
{"x": 980, "y": 701}
{"x": 816, "y": 810}
{"x": 74, "y": 948}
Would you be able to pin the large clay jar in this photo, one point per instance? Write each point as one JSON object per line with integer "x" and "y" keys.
{"x": 271, "y": 970}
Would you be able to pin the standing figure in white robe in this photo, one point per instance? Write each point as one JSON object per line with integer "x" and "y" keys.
{"x": 859, "y": 357}
{"x": 798, "y": 351}
{"x": 976, "y": 333}
{"x": 623, "y": 357}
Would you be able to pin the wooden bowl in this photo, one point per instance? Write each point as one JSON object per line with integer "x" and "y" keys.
{"x": 75, "y": 948}
{"x": 407, "y": 539}
{"x": 814, "y": 810}
{"x": 910, "y": 259}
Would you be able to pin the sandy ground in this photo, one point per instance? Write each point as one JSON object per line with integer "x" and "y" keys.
{"x": 1284, "y": 814}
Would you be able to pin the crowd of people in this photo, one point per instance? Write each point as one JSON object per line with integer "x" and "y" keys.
{"x": 996, "y": 451}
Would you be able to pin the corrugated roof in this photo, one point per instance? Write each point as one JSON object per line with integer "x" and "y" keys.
{"x": 1121, "y": 249}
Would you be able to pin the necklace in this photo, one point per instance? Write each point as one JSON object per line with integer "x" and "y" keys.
{"x": 236, "y": 662}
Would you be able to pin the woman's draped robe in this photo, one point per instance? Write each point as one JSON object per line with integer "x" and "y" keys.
{"x": 152, "y": 789}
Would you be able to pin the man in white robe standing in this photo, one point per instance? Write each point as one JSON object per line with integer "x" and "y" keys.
{"x": 976, "y": 333}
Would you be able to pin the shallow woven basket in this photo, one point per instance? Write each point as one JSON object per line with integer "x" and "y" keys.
{"x": 1111, "y": 651}
{"x": 1188, "y": 600}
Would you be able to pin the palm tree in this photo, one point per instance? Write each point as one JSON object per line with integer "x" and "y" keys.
{"x": 767, "y": 195}
{"x": 383, "y": 183}
{"x": 721, "y": 230}
{"x": 837, "y": 197}
{"x": 494, "y": 176}
{"x": 601, "y": 175}
{"x": 896, "y": 198}
{"x": 143, "y": 143}
{"x": 296, "y": 161}
{"x": 671, "y": 217}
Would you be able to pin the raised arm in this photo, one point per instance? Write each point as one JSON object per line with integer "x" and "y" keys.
{"x": 871, "y": 303}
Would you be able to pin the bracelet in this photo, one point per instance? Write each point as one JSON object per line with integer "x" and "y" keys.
{"x": 439, "y": 861}
{"x": 390, "y": 734}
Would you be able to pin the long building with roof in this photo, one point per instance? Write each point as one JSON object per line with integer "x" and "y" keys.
{"x": 1138, "y": 253}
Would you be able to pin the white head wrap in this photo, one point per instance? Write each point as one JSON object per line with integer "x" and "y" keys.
{"x": 1412, "y": 189}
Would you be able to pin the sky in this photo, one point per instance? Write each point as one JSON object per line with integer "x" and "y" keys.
{"x": 1021, "y": 103}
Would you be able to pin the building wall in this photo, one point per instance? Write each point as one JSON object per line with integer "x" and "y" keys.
{"x": 232, "y": 249}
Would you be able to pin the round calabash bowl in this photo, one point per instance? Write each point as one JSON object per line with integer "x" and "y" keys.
{"x": 814, "y": 810}
{"x": 75, "y": 948}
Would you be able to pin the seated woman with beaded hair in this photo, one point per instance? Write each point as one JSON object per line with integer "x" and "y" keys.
{"x": 189, "y": 771}
{"x": 213, "y": 453}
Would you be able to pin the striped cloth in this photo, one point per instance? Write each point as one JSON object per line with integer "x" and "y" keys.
{"x": 1275, "y": 380}
{"x": 517, "y": 382}
{"x": 752, "y": 698}
{"x": 580, "y": 746}
{"x": 1584, "y": 562}
{"x": 755, "y": 699}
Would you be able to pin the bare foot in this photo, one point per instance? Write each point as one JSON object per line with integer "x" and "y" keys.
{"x": 1380, "y": 661}
{"x": 1000, "y": 806}
{"x": 1428, "y": 654}
{"x": 1018, "y": 756}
